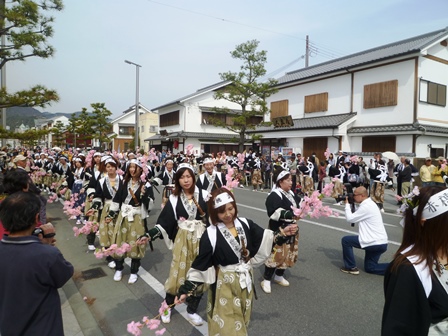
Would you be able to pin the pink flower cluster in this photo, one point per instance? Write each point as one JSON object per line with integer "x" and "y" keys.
{"x": 189, "y": 149}
{"x": 327, "y": 153}
{"x": 312, "y": 206}
{"x": 89, "y": 158}
{"x": 135, "y": 328}
{"x": 52, "y": 198}
{"x": 86, "y": 229}
{"x": 69, "y": 208}
{"x": 328, "y": 189}
{"x": 113, "y": 249}
{"x": 230, "y": 181}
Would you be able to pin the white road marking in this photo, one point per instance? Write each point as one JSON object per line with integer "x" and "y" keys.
{"x": 160, "y": 289}
{"x": 182, "y": 309}
{"x": 319, "y": 224}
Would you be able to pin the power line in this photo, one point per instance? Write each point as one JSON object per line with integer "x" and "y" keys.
{"x": 317, "y": 48}
{"x": 225, "y": 20}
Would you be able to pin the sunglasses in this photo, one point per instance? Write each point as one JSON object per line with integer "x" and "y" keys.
{"x": 49, "y": 235}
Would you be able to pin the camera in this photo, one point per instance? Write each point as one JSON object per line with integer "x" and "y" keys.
{"x": 349, "y": 196}
{"x": 38, "y": 231}
{"x": 348, "y": 193}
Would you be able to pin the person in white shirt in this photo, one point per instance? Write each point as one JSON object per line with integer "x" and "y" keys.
{"x": 372, "y": 235}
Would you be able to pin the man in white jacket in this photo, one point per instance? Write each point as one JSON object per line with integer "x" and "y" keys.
{"x": 372, "y": 235}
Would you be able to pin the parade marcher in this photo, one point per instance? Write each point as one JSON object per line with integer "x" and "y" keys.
{"x": 79, "y": 183}
{"x": 106, "y": 188}
{"x": 228, "y": 251}
{"x": 306, "y": 178}
{"x": 167, "y": 180}
{"x": 181, "y": 224}
{"x": 292, "y": 167}
{"x": 130, "y": 208}
{"x": 379, "y": 177}
{"x": 210, "y": 179}
{"x": 278, "y": 207}
{"x": 31, "y": 272}
{"x": 416, "y": 281}
{"x": 266, "y": 170}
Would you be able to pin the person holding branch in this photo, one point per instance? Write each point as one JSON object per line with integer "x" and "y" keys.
{"x": 229, "y": 249}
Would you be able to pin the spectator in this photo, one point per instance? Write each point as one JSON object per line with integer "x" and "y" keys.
{"x": 426, "y": 173}
{"x": 31, "y": 272}
{"x": 405, "y": 176}
{"x": 398, "y": 168}
{"x": 438, "y": 172}
{"x": 372, "y": 235}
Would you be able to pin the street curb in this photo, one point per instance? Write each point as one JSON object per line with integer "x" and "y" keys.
{"x": 83, "y": 315}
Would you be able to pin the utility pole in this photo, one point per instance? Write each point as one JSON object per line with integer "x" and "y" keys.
{"x": 307, "y": 52}
{"x": 137, "y": 104}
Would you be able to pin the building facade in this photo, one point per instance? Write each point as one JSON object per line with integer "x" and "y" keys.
{"x": 185, "y": 121}
{"x": 389, "y": 98}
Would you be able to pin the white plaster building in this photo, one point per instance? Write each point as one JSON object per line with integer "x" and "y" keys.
{"x": 123, "y": 127}
{"x": 184, "y": 121}
{"x": 389, "y": 98}
{"x": 43, "y": 124}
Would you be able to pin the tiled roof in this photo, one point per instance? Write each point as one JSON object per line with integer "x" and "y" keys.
{"x": 194, "y": 94}
{"x": 330, "y": 121}
{"x": 398, "y": 129}
{"x": 396, "y": 49}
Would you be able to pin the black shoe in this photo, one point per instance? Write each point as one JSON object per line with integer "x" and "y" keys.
{"x": 354, "y": 270}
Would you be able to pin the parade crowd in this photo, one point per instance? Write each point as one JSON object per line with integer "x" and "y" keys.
{"x": 109, "y": 196}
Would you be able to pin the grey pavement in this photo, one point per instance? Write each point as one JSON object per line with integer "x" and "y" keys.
{"x": 93, "y": 304}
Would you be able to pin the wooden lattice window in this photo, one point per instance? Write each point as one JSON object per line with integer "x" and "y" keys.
{"x": 279, "y": 109}
{"x": 381, "y": 94}
{"x": 169, "y": 119}
{"x": 379, "y": 143}
{"x": 316, "y": 103}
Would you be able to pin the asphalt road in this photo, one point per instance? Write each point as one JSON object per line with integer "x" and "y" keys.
{"x": 321, "y": 300}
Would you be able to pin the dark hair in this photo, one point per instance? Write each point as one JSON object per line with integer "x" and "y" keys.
{"x": 212, "y": 212}
{"x": 276, "y": 173}
{"x": 128, "y": 176}
{"x": 18, "y": 211}
{"x": 427, "y": 237}
{"x": 177, "y": 176}
{"x": 15, "y": 180}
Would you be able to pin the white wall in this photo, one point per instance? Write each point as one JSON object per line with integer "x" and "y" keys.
{"x": 338, "y": 89}
{"x": 402, "y": 113}
{"x": 438, "y": 73}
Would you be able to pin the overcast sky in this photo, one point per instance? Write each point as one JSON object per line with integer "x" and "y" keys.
{"x": 184, "y": 45}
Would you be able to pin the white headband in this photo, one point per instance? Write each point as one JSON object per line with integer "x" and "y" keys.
{"x": 185, "y": 165}
{"x": 222, "y": 199}
{"x": 437, "y": 205}
{"x": 169, "y": 160}
{"x": 110, "y": 160}
{"x": 208, "y": 160}
{"x": 282, "y": 174}
{"x": 135, "y": 161}
{"x": 104, "y": 158}
{"x": 97, "y": 154}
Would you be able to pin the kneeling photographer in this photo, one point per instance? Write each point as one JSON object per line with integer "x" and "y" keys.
{"x": 372, "y": 236}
